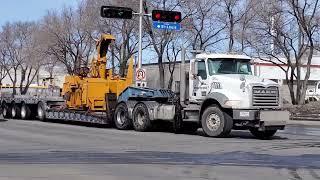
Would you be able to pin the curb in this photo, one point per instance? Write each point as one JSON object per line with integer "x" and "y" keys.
{"x": 305, "y": 119}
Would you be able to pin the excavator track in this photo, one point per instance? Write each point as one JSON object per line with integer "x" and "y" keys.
{"x": 79, "y": 116}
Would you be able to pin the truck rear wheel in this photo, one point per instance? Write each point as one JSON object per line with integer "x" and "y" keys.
{"x": 15, "y": 111}
{"x": 267, "y": 134}
{"x": 121, "y": 117}
{"x": 141, "y": 119}
{"x": 6, "y": 112}
{"x": 41, "y": 111}
{"x": 25, "y": 111}
{"x": 215, "y": 122}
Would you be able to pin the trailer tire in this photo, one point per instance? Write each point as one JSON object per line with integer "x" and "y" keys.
{"x": 121, "y": 117}
{"x": 41, "y": 111}
{"x": 25, "y": 112}
{"x": 215, "y": 122}
{"x": 141, "y": 119}
{"x": 267, "y": 134}
{"x": 6, "y": 112}
{"x": 15, "y": 111}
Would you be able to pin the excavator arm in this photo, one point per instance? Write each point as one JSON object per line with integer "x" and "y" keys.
{"x": 98, "y": 64}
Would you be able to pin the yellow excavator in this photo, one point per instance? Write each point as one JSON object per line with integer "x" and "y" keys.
{"x": 96, "y": 89}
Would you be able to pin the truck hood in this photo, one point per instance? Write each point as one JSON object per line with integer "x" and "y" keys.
{"x": 239, "y": 78}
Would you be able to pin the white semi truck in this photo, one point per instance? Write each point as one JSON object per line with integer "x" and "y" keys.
{"x": 218, "y": 93}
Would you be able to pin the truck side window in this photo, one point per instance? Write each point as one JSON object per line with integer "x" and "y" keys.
{"x": 202, "y": 72}
{"x": 319, "y": 86}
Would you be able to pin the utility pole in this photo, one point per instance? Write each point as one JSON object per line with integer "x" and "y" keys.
{"x": 141, "y": 14}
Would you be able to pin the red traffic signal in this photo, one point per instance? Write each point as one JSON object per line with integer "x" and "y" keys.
{"x": 166, "y": 16}
{"x": 116, "y": 12}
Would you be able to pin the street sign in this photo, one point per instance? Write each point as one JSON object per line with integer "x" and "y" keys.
{"x": 141, "y": 75}
{"x": 166, "y": 25}
{"x": 141, "y": 84}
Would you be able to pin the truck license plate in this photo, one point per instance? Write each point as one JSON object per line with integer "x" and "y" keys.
{"x": 274, "y": 118}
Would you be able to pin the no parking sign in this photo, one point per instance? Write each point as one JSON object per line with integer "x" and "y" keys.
{"x": 141, "y": 75}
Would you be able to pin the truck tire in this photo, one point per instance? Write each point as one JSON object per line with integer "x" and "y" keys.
{"x": 215, "y": 122}
{"x": 15, "y": 111}
{"x": 41, "y": 111}
{"x": 141, "y": 119}
{"x": 267, "y": 134}
{"x": 121, "y": 117}
{"x": 6, "y": 111}
{"x": 25, "y": 111}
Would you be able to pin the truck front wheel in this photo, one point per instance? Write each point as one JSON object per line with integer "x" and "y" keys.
{"x": 141, "y": 119}
{"x": 121, "y": 117}
{"x": 267, "y": 134}
{"x": 215, "y": 122}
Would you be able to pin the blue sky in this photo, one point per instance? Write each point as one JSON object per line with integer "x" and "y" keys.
{"x": 29, "y": 10}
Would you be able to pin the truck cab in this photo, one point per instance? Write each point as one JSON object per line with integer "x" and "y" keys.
{"x": 225, "y": 95}
{"x": 218, "y": 93}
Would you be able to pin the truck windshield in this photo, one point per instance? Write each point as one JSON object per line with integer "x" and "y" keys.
{"x": 229, "y": 66}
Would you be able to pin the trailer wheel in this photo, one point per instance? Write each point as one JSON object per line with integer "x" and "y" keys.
{"x": 41, "y": 111}
{"x": 25, "y": 111}
{"x": 6, "y": 112}
{"x": 215, "y": 122}
{"x": 141, "y": 119}
{"x": 267, "y": 134}
{"x": 15, "y": 111}
{"x": 121, "y": 117}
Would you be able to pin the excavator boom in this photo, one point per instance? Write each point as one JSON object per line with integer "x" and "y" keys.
{"x": 91, "y": 92}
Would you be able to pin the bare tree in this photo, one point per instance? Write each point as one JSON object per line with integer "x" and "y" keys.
{"x": 284, "y": 34}
{"x": 34, "y": 56}
{"x": 12, "y": 52}
{"x": 206, "y": 27}
{"x": 236, "y": 14}
{"x": 159, "y": 38}
{"x": 172, "y": 52}
{"x": 70, "y": 37}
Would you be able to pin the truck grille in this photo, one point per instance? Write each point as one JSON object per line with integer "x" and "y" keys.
{"x": 265, "y": 96}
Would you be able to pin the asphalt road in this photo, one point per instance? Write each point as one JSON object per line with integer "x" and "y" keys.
{"x": 46, "y": 150}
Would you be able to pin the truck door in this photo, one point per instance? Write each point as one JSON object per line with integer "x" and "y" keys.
{"x": 198, "y": 83}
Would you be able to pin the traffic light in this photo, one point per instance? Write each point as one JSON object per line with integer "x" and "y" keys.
{"x": 166, "y": 16}
{"x": 116, "y": 12}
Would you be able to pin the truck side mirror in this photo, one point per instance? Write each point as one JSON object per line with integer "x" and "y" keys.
{"x": 194, "y": 68}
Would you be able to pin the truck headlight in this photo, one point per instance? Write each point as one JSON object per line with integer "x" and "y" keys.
{"x": 233, "y": 103}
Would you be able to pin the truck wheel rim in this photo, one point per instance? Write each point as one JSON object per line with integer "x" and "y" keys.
{"x": 40, "y": 113}
{"x": 4, "y": 112}
{"x": 213, "y": 122}
{"x": 120, "y": 117}
{"x": 23, "y": 112}
{"x": 13, "y": 112}
{"x": 140, "y": 118}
